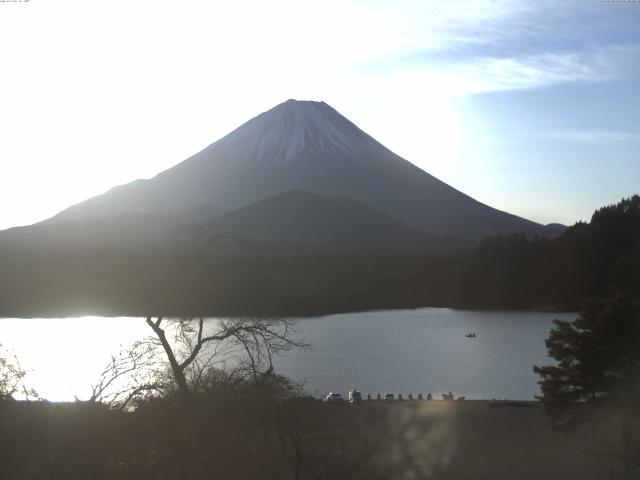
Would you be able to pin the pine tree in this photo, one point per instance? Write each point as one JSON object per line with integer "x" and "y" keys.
{"x": 595, "y": 384}
{"x": 598, "y": 359}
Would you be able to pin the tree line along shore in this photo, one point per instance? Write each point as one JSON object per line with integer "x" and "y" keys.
{"x": 504, "y": 272}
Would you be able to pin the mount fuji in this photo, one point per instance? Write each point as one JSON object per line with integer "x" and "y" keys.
{"x": 308, "y": 146}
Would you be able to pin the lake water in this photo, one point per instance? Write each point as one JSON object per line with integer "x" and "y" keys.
{"x": 398, "y": 351}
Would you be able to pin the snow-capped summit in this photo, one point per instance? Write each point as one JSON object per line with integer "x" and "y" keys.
{"x": 305, "y": 145}
{"x": 292, "y": 130}
{"x": 287, "y": 130}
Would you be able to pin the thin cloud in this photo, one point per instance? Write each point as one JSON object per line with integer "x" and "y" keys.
{"x": 488, "y": 46}
{"x": 596, "y": 137}
{"x": 433, "y": 26}
{"x": 494, "y": 74}
{"x": 512, "y": 24}
{"x": 535, "y": 71}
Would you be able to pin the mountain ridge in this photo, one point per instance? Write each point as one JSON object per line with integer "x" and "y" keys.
{"x": 304, "y": 221}
{"x": 309, "y": 146}
{"x": 291, "y": 223}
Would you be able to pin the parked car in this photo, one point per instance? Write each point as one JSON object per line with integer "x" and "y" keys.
{"x": 334, "y": 398}
{"x": 355, "y": 397}
{"x": 389, "y": 397}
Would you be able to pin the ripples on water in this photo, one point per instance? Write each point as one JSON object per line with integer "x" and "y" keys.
{"x": 424, "y": 350}
{"x": 399, "y": 351}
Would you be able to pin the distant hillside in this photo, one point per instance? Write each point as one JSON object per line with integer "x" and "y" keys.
{"x": 291, "y": 223}
{"x": 131, "y": 232}
{"x": 307, "y": 221}
{"x": 503, "y": 272}
{"x": 125, "y": 232}
{"x": 554, "y": 229}
{"x": 515, "y": 272}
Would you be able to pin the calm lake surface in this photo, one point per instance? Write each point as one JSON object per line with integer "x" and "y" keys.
{"x": 398, "y": 351}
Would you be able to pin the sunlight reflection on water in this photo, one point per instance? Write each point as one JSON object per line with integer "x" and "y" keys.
{"x": 422, "y": 350}
{"x": 64, "y": 356}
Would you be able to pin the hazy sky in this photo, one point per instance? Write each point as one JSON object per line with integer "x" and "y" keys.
{"x": 530, "y": 106}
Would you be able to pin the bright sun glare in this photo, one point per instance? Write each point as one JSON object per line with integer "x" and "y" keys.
{"x": 64, "y": 359}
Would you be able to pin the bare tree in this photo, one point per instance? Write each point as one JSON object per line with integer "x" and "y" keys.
{"x": 251, "y": 344}
{"x": 135, "y": 371}
{"x": 12, "y": 378}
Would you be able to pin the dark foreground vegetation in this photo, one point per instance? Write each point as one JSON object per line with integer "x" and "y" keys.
{"x": 508, "y": 272}
{"x": 255, "y": 432}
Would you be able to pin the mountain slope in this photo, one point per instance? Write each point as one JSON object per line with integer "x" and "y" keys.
{"x": 305, "y": 220}
{"x": 308, "y": 146}
{"x": 116, "y": 232}
{"x": 127, "y": 231}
